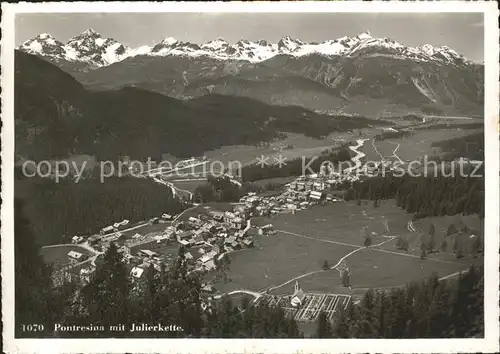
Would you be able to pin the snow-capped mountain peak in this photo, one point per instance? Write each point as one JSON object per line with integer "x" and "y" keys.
{"x": 92, "y": 48}
{"x": 169, "y": 41}
{"x": 288, "y": 44}
{"x": 47, "y": 37}
{"x": 364, "y": 35}
{"x": 43, "y": 44}
{"x": 87, "y": 47}
{"x": 90, "y": 32}
{"x": 216, "y": 44}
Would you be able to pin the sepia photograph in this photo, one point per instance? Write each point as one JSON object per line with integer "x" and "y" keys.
{"x": 255, "y": 171}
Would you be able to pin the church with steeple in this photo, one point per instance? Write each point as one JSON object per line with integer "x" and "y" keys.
{"x": 298, "y": 295}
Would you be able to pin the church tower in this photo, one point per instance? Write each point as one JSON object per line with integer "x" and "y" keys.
{"x": 297, "y": 286}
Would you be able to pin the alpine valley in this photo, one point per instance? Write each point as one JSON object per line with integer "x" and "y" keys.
{"x": 360, "y": 75}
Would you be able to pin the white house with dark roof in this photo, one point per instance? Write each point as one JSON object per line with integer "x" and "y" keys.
{"x": 77, "y": 256}
{"x": 107, "y": 230}
{"x": 137, "y": 272}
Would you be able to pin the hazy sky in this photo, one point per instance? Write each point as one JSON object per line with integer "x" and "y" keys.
{"x": 463, "y": 32}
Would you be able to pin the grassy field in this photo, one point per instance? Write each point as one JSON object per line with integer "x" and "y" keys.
{"x": 419, "y": 144}
{"x": 369, "y": 269}
{"x": 58, "y": 255}
{"x": 318, "y": 234}
{"x": 276, "y": 259}
{"x": 294, "y": 146}
{"x": 343, "y": 222}
{"x": 415, "y": 146}
{"x": 305, "y": 240}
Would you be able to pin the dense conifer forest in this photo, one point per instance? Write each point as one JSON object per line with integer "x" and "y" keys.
{"x": 426, "y": 195}
{"x": 58, "y": 211}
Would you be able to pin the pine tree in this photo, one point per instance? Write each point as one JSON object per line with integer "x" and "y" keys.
{"x": 368, "y": 240}
{"x": 368, "y": 321}
{"x": 324, "y": 327}
{"x": 444, "y": 246}
{"x": 432, "y": 230}
{"x": 326, "y": 266}
{"x": 423, "y": 254}
{"x": 342, "y": 327}
{"x": 346, "y": 282}
{"x": 292, "y": 329}
{"x": 402, "y": 243}
{"x": 431, "y": 244}
{"x": 382, "y": 303}
{"x": 399, "y": 242}
{"x": 33, "y": 283}
{"x": 451, "y": 230}
{"x": 423, "y": 245}
{"x": 475, "y": 246}
{"x": 456, "y": 243}
{"x": 107, "y": 294}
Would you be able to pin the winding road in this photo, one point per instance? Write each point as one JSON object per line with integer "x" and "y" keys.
{"x": 359, "y": 155}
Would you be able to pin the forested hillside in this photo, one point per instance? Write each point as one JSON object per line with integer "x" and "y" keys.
{"x": 58, "y": 211}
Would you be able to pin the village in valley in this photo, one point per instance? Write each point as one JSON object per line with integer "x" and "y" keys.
{"x": 209, "y": 235}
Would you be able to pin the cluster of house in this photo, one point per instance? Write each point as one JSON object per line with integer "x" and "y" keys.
{"x": 107, "y": 234}
{"x": 207, "y": 238}
{"x": 215, "y": 233}
{"x": 300, "y": 194}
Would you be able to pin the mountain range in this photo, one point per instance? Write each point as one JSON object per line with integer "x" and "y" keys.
{"x": 92, "y": 48}
{"x": 360, "y": 75}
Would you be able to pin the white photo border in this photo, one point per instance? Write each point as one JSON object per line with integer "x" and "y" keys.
{"x": 490, "y": 343}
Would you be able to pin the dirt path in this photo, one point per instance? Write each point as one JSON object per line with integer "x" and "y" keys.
{"x": 415, "y": 256}
{"x": 395, "y": 150}
{"x": 376, "y": 150}
{"x": 318, "y": 239}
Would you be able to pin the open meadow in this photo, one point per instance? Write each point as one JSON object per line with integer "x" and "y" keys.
{"x": 420, "y": 142}
{"x": 334, "y": 233}
{"x": 293, "y": 146}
